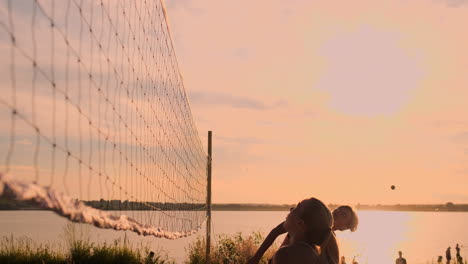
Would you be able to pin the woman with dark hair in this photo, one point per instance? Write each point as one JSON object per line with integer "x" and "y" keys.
{"x": 344, "y": 218}
{"x": 309, "y": 226}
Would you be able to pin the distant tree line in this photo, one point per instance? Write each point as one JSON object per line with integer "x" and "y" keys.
{"x": 447, "y": 207}
{"x": 251, "y": 207}
{"x": 7, "y": 204}
{"x": 140, "y": 206}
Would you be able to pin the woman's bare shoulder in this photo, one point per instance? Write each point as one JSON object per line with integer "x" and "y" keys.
{"x": 296, "y": 254}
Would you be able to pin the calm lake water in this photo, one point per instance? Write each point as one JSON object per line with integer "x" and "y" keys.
{"x": 422, "y": 236}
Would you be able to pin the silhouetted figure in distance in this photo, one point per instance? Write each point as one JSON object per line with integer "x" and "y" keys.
{"x": 354, "y": 261}
{"x": 150, "y": 257}
{"x": 439, "y": 260}
{"x": 400, "y": 259}
{"x": 343, "y": 260}
{"x": 448, "y": 255}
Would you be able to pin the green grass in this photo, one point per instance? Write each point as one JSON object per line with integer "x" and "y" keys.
{"x": 23, "y": 250}
{"x": 225, "y": 249}
{"x": 77, "y": 249}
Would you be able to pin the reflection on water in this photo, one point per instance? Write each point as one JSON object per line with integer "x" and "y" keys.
{"x": 379, "y": 237}
{"x": 422, "y": 236}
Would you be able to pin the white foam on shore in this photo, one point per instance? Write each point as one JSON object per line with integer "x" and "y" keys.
{"x": 77, "y": 211}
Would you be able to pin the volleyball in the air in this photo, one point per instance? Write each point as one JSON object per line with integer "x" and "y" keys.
{"x": 392, "y": 187}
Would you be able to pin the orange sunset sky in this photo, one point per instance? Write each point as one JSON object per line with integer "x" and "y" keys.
{"x": 333, "y": 99}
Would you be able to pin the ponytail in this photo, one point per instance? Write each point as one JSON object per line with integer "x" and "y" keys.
{"x": 329, "y": 250}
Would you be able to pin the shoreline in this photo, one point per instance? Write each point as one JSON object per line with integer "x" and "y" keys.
{"x": 117, "y": 205}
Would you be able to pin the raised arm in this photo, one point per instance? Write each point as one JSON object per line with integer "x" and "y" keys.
{"x": 274, "y": 233}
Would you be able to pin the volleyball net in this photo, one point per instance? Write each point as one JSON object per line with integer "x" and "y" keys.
{"x": 95, "y": 122}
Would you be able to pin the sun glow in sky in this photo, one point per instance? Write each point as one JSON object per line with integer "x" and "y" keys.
{"x": 334, "y": 100}
{"x": 305, "y": 98}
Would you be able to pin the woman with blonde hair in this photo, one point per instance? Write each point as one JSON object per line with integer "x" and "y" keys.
{"x": 309, "y": 226}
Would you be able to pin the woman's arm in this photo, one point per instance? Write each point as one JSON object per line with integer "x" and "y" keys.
{"x": 274, "y": 233}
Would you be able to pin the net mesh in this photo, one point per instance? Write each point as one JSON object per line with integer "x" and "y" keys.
{"x": 94, "y": 113}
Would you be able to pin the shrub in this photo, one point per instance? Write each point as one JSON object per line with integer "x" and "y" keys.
{"x": 227, "y": 249}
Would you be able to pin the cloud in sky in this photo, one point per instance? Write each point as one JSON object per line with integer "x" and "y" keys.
{"x": 241, "y": 140}
{"x": 242, "y": 53}
{"x": 449, "y": 123}
{"x": 455, "y": 3}
{"x": 211, "y": 98}
{"x": 460, "y": 138}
